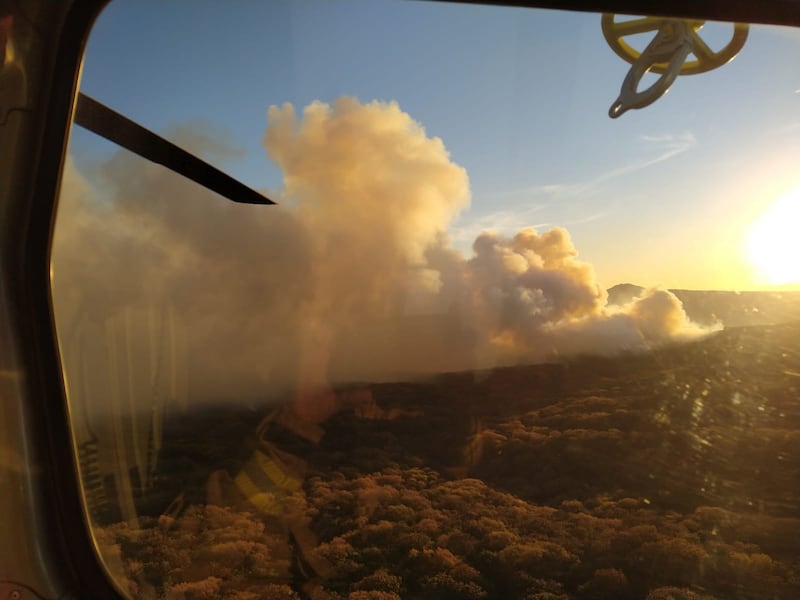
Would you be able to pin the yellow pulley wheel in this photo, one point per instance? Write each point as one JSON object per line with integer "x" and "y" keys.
{"x": 705, "y": 58}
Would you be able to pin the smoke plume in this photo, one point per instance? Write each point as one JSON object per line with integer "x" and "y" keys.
{"x": 350, "y": 278}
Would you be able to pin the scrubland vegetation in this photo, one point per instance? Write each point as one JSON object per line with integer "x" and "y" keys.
{"x": 671, "y": 475}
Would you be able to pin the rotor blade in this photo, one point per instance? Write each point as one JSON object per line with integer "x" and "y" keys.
{"x": 103, "y": 121}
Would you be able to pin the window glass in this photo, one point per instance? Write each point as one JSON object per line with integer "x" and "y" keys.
{"x": 490, "y": 342}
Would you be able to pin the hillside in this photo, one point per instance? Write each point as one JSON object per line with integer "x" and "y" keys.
{"x": 677, "y": 468}
{"x": 667, "y": 475}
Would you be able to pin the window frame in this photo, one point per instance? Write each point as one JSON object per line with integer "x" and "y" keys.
{"x": 66, "y": 551}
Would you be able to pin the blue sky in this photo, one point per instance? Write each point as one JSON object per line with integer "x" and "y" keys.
{"x": 660, "y": 196}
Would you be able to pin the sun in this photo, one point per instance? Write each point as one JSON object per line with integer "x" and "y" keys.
{"x": 773, "y": 241}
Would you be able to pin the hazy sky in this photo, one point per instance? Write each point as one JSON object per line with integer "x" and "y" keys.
{"x": 660, "y": 196}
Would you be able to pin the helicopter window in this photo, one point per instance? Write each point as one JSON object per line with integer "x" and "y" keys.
{"x": 521, "y": 324}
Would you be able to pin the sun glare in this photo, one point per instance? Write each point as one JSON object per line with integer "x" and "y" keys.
{"x": 773, "y": 241}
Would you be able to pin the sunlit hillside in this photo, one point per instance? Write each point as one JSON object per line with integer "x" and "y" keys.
{"x": 671, "y": 474}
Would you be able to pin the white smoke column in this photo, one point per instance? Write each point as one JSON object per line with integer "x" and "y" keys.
{"x": 654, "y": 318}
{"x": 374, "y": 192}
{"x": 534, "y": 300}
{"x": 527, "y": 282}
{"x": 660, "y": 318}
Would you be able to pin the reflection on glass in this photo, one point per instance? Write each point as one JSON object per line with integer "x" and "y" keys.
{"x": 404, "y": 381}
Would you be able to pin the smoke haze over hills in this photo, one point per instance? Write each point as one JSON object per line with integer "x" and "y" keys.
{"x": 344, "y": 278}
